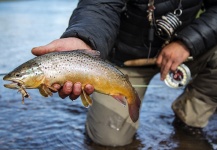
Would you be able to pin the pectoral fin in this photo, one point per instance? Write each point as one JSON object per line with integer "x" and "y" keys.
{"x": 45, "y": 90}
{"x": 120, "y": 98}
{"x": 52, "y": 89}
{"x": 86, "y": 100}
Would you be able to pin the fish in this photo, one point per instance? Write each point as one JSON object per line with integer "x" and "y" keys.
{"x": 84, "y": 66}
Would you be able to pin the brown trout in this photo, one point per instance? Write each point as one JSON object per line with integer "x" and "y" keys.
{"x": 76, "y": 66}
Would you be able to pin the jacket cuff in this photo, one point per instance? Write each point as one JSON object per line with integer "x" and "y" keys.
{"x": 194, "y": 43}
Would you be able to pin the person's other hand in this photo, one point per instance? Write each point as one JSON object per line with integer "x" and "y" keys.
{"x": 171, "y": 56}
{"x": 66, "y": 44}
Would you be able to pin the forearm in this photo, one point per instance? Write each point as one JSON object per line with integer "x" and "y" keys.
{"x": 96, "y": 23}
{"x": 200, "y": 35}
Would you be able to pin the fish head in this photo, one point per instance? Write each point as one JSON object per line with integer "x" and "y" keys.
{"x": 25, "y": 76}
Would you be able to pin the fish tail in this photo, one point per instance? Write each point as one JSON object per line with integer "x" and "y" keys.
{"x": 134, "y": 108}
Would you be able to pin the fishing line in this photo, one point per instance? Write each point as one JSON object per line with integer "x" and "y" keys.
{"x": 144, "y": 86}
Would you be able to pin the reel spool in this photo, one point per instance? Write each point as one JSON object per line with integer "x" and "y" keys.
{"x": 178, "y": 78}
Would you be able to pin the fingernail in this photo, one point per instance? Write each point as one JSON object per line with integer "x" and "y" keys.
{"x": 35, "y": 48}
{"x": 89, "y": 88}
{"x": 77, "y": 84}
{"x": 56, "y": 86}
{"x": 68, "y": 85}
{"x": 77, "y": 89}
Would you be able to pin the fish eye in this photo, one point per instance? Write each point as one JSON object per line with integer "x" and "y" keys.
{"x": 17, "y": 74}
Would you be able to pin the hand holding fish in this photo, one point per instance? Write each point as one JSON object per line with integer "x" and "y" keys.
{"x": 73, "y": 90}
{"x": 65, "y": 44}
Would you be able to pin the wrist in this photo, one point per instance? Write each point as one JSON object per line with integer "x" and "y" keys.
{"x": 182, "y": 46}
{"x": 82, "y": 36}
{"x": 79, "y": 43}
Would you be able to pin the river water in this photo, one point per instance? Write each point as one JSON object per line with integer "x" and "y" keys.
{"x": 53, "y": 123}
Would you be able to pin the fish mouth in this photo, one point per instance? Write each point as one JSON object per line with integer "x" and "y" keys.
{"x": 15, "y": 84}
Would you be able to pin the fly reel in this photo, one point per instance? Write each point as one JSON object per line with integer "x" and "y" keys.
{"x": 178, "y": 78}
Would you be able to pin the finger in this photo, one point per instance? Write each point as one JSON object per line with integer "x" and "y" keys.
{"x": 56, "y": 86}
{"x": 165, "y": 69}
{"x": 41, "y": 50}
{"x": 73, "y": 97}
{"x": 89, "y": 89}
{"x": 174, "y": 66}
{"x": 66, "y": 90}
{"x": 76, "y": 91}
{"x": 159, "y": 61}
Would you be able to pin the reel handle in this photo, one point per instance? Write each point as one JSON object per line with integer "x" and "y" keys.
{"x": 177, "y": 79}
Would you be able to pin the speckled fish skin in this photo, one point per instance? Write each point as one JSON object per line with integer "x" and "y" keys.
{"x": 75, "y": 66}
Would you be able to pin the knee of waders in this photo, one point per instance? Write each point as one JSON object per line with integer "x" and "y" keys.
{"x": 106, "y": 135}
{"x": 193, "y": 111}
{"x": 205, "y": 83}
{"x": 108, "y": 122}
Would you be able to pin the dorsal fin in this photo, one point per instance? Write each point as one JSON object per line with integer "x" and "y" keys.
{"x": 126, "y": 76}
{"x": 92, "y": 53}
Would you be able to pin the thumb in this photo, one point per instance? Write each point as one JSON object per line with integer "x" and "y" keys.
{"x": 41, "y": 50}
